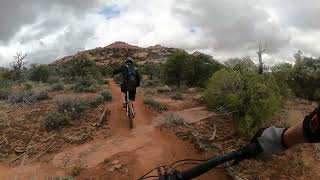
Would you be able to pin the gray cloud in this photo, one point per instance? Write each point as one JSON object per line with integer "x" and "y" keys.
{"x": 297, "y": 13}
{"x": 233, "y": 25}
{"x": 47, "y": 30}
{"x": 16, "y": 13}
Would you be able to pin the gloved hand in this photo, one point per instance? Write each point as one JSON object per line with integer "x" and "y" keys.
{"x": 271, "y": 141}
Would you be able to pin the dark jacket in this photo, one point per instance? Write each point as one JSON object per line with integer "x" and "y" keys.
{"x": 124, "y": 71}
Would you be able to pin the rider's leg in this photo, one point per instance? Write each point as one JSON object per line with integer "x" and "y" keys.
{"x": 123, "y": 90}
{"x": 132, "y": 97}
{"x": 124, "y": 99}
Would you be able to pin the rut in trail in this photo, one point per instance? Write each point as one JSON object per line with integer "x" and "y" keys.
{"x": 140, "y": 149}
{"x": 145, "y": 146}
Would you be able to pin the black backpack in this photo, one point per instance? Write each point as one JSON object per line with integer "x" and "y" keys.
{"x": 131, "y": 78}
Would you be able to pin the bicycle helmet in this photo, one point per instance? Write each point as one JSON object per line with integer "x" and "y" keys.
{"x": 129, "y": 60}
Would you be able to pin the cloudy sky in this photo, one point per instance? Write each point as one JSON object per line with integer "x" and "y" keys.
{"x": 47, "y": 30}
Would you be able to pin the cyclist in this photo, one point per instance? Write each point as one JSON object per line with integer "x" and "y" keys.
{"x": 131, "y": 79}
{"x": 273, "y": 140}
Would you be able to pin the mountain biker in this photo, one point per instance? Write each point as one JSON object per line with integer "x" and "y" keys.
{"x": 131, "y": 79}
{"x": 273, "y": 139}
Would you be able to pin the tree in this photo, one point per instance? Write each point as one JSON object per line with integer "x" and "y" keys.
{"x": 17, "y": 65}
{"x": 306, "y": 77}
{"x": 175, "y": 67}
{"x": 199, "y": 69}
{"x": 259, "y": 52}
{"x": 283, "y": 74}
{"x": 242, "y": 65}
{"x": 251, "y": 98}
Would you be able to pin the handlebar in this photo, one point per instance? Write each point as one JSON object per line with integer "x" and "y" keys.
{"x": 249, "y": 151}
{"x": 246, "y": 152}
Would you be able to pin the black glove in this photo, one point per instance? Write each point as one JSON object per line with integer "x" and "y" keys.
{"x": 311, "y": 126}
{"x": 271, "y": 141}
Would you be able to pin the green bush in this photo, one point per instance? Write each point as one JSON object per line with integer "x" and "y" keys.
{"x": 5, "y": 79}
{"x": 105, "y": 70}
{"x": 4, "y": 94}
{"x": 54, "y": 80}
{"x": 57, "y": 87}
{"x": 39, "y": 73}
{"x": 252, "y": 98}
{"x": 155, "y": 104}
{"x": 86, "y": 85}
{"x": 55, "y": 120}
{"x": 177, "y": 96}
{"x": 81, "y": 68}
{"x": 27, "y": 86}
{"x": 306, "y": 77}
{"x": 107, "y": 96}
{"x": 283, "y": 74}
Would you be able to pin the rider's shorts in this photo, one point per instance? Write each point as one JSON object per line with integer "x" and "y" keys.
{"x": 132, "y": 93}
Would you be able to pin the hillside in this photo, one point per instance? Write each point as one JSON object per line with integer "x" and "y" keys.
{"x": 118, "y": 51}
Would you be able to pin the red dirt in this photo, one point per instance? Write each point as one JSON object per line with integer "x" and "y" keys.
{"x": 138, "y": 150}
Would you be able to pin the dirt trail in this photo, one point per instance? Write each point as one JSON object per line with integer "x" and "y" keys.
{"x": 138, "y": 150}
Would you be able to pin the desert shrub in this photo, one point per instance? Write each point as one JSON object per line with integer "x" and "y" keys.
{"x": 252, "y": 98}
{"x": 177, "y": 96}
{"x": 27, "y": 86}
{"x": 71, "y": 107}
{"x": 107, "y": 96}
{"x": 75, "y": 171}
{"x": 105, "y": 70}
{"x": 39, "y": 73}
{"x": 5, "y": 79}
{"x": 40, "y": 95}
{"x": 81, "y": 68}
{"x": 96, "y": 101}
{"x": 55, "y": 120}
{"x": 4, "y": 93}
{"x": 153, "y": 71}
{"x": 241, "y": 65}
{"x": 57, "y": 87}
{"x": 151, "y": 83}
{"x": 283, "y": 74}
{"x": 86, "y": 85}
{"x": 163, "y": 89}
{"x": 172, "y": 120}
{"x": 306, "y": 77}
{"x": 155, "y": 104}
{"x": 27, "y": 97}
{"x": 53, "y": 80}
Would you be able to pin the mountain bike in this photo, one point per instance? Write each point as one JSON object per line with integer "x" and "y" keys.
{"x": 170, "y": 172}
{"x": 129, "y": 110}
